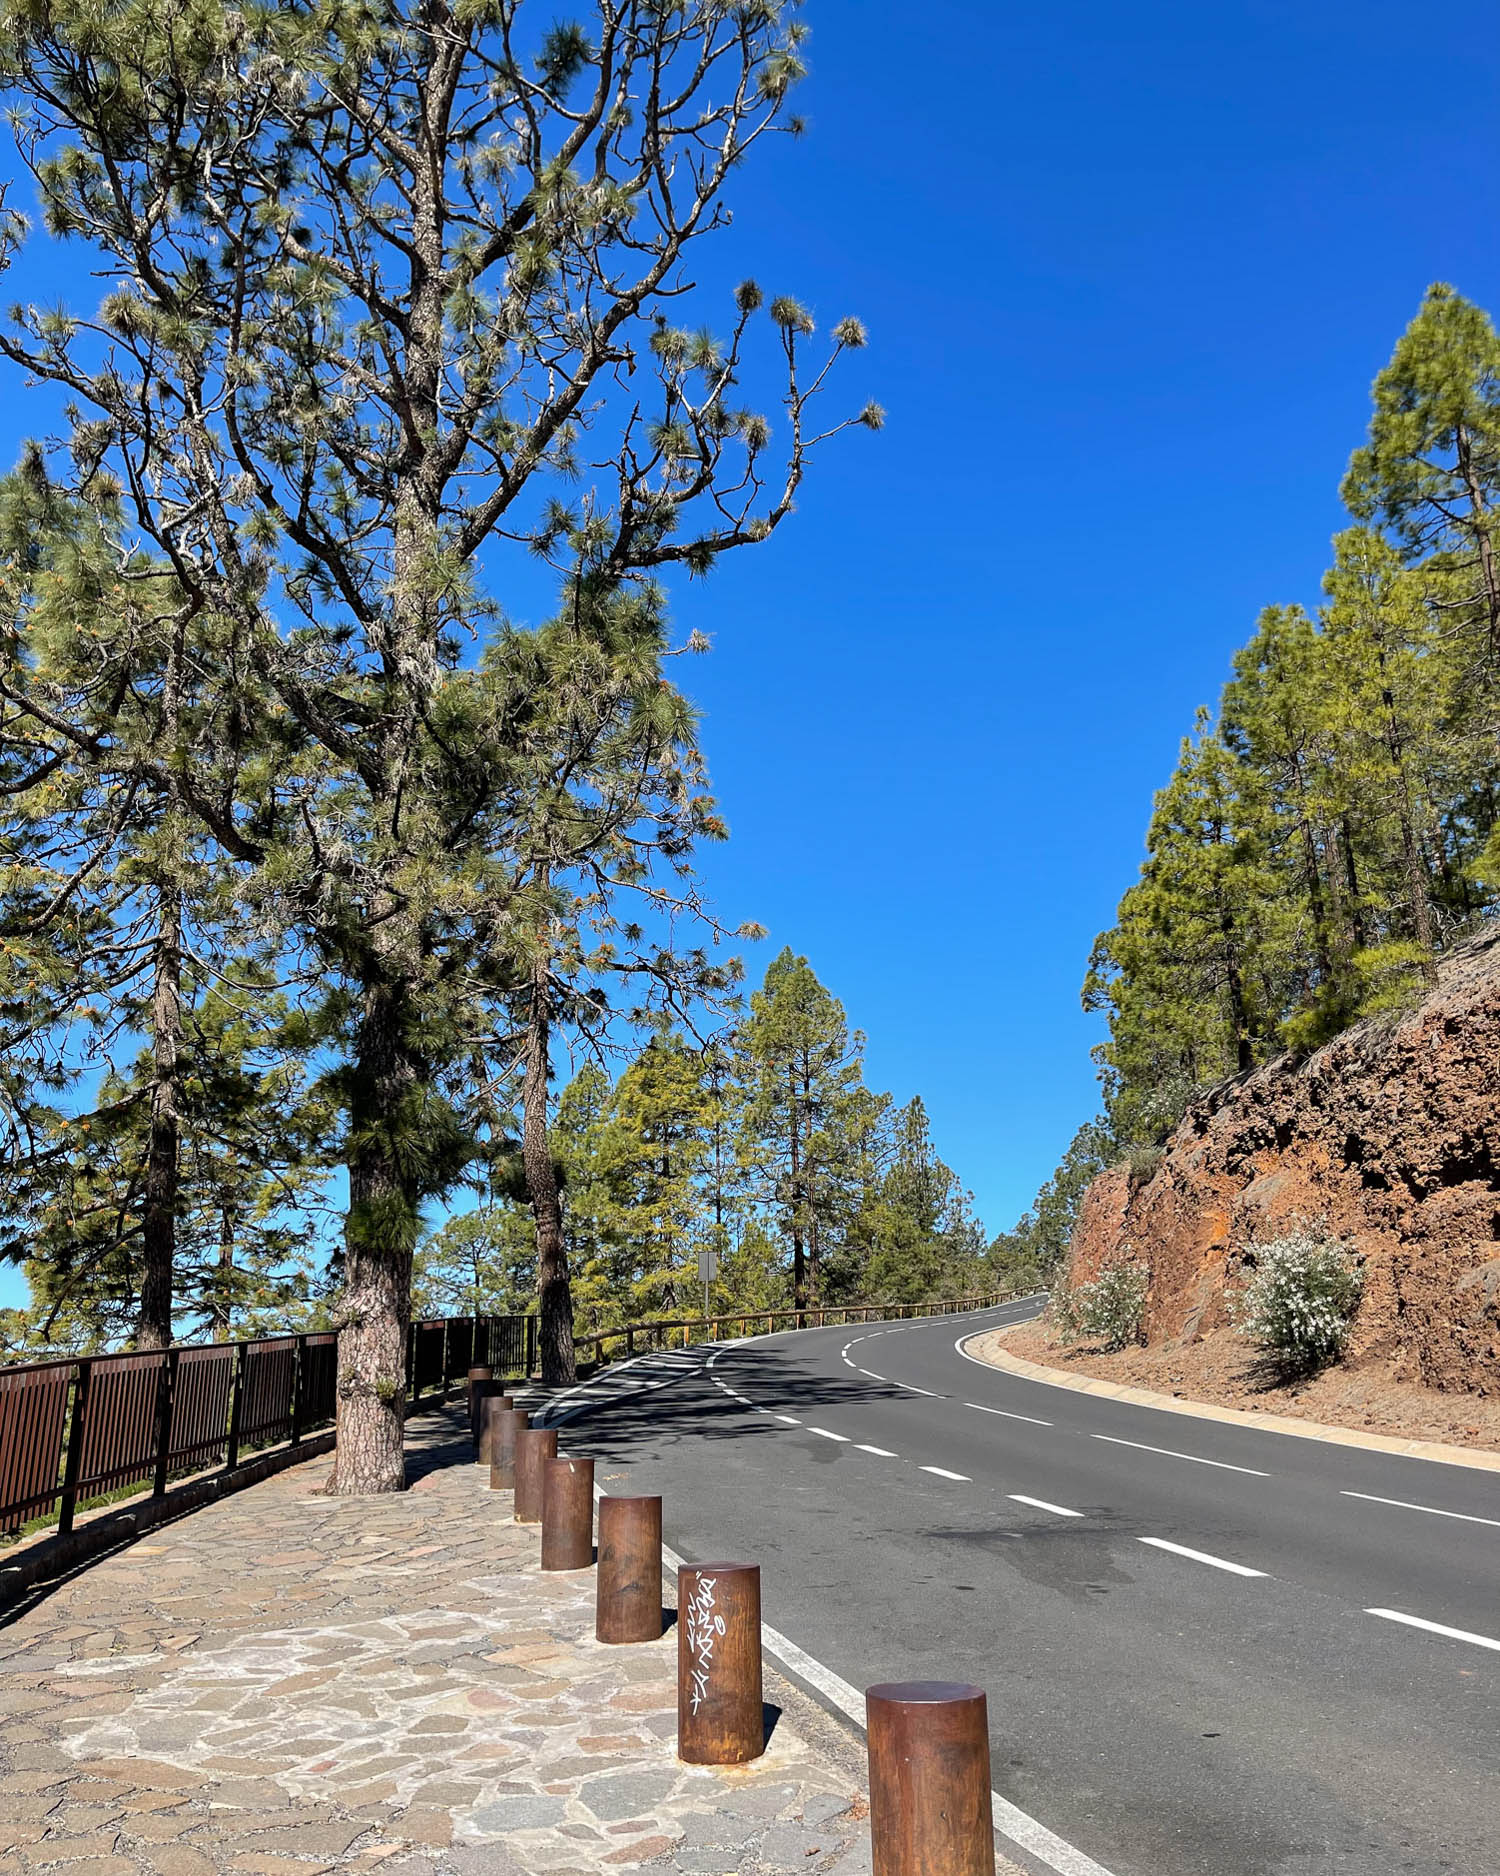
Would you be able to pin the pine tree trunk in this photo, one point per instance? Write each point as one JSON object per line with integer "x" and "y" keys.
{"x": 1411, "y": 853}
{"x": 1244, "y": 1054}
{"x": 555, "y": 1330}
{"x": 379, "y": 1236}
{"x": 159, "y": 1197}
{"x": 1351, "y": 880}
{"x": 799, "y": 1253}
{"x": 222, "y": 1319}
{"x": 1487, "y": 568}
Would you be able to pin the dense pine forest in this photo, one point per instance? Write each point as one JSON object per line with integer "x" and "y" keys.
{"x": 760, "y": 1143}
{"x": 763, "y": 1145}
{"x": 1333, "y": 827}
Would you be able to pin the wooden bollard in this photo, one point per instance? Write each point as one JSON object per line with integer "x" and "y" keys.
{"x": 503, "y": 1430}
{"x": 567, "y": 1514}
{"x": 481, "y": 1371}
{"x": 929, "y": 1745}
{"x": 628, "y": 1598}
{"x": 719, "y": 1720}
{"x": 489, "y": 1406}
{"x": 534, "y": 1447}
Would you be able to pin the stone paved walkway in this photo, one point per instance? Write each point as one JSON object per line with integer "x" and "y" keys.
{"x": 282, "y": 1683}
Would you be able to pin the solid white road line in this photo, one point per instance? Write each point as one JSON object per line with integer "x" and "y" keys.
{"x": 872, "y": 1374}
{"x": 1030, "y": 1419}
{"x": 1434, "y": 1510}
{"x": 879, "y": 1451}
{"x": 1168, "y": 1452}
{"x": 1042, "y": 1505}
{"x": 1436, "y": 1628}
{"x": 1200, "y": 1556}
{"x": 842, "y": 1438}
{"x": 942, "y": 1472}
{"x": 1011, "y": 1822}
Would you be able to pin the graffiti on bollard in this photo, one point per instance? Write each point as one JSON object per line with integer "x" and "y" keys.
{"x": 719, "y": 1717}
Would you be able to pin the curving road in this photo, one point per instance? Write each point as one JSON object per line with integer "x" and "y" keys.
{"x": 1209, "y": 1650}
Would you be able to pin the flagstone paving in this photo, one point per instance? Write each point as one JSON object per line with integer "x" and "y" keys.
{"x": 283, "y": 1682}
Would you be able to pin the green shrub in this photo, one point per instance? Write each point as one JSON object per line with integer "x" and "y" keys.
{"x": 1110, "y": 1310}
{"x": 1143, "y": 1162}
{"x": 1300, "y": 1302}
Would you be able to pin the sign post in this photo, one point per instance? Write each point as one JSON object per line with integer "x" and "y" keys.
{"x": 708, "y": 1273}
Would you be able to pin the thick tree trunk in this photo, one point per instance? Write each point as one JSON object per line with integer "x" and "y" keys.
{"x": 555, "y": 1330}
{"x": 159, "y": 1199}
{"x": 379, "y": 1237}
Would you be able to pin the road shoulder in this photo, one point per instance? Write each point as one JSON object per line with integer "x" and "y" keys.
{"x": 986, "y": 1348}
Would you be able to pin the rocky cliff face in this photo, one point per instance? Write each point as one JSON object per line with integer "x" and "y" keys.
{"x": 1390, "y": 1135}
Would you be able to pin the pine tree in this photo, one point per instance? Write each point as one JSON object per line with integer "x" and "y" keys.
{"x": 402, "y": 295}
{"x": 805, "y": 1114}
{"x": 1430, "y": 472}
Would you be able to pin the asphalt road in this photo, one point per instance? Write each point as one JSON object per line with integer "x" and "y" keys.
{"x": 1188, "y": 1631}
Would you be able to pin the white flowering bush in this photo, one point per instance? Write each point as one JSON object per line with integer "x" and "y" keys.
{"x": 1300, "y": 1302}
{"x": 1109, "y": 1310}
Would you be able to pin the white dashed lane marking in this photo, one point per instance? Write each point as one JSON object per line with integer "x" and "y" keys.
{"x": 1030, "y": 1419}
{"x": 942, "y": 1472}
{"x": 1434, "y": 1511}
{"x": 1437, "y": 1628}
{"x": 1200, "y": 1556}
{"x": 1168, "y": 1452}
{"x": 823, "y": 1433}
{"x": 879, "y": 1452}
{"x": 1041, "y": 1505}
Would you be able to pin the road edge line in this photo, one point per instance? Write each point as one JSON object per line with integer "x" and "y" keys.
{"x": 837, "y": 1697}
{"x": 1435, "y": 1452}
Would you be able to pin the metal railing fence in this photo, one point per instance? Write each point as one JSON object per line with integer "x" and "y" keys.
{"x": 89, "y": 1426}
{"x": 639, "y": 1337}
{"x": 92, "y": 1426}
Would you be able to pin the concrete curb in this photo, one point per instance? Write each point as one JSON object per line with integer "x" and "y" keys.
{"x": 1434, "y": 1450}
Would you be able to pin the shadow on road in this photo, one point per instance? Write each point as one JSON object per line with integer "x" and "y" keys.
{"x": 620, "y": 1427}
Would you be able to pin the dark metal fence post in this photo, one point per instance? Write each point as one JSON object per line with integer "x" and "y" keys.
{"x": 447, "y": 1372}
{"x": 299, "y": 1388}
{"x": 528, "y": 1360}
{"x": 411, "y": 1362}
{"x": 73, "y": 1464}
{"x": 166, "y": 1387}
{"x": 236, "y": 1402}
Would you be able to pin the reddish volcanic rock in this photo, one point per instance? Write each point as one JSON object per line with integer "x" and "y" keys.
{"x": 1389, "y": 1136}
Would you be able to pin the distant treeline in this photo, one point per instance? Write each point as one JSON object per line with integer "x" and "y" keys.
{"x": 763, "y": 1146}
{"x": 1333, "y": 828}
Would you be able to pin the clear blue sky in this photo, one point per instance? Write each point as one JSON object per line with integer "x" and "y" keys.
{"x": 1128, "y": 273}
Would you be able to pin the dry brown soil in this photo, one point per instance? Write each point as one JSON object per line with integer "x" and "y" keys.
{"x": 1220, "y": 1369}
